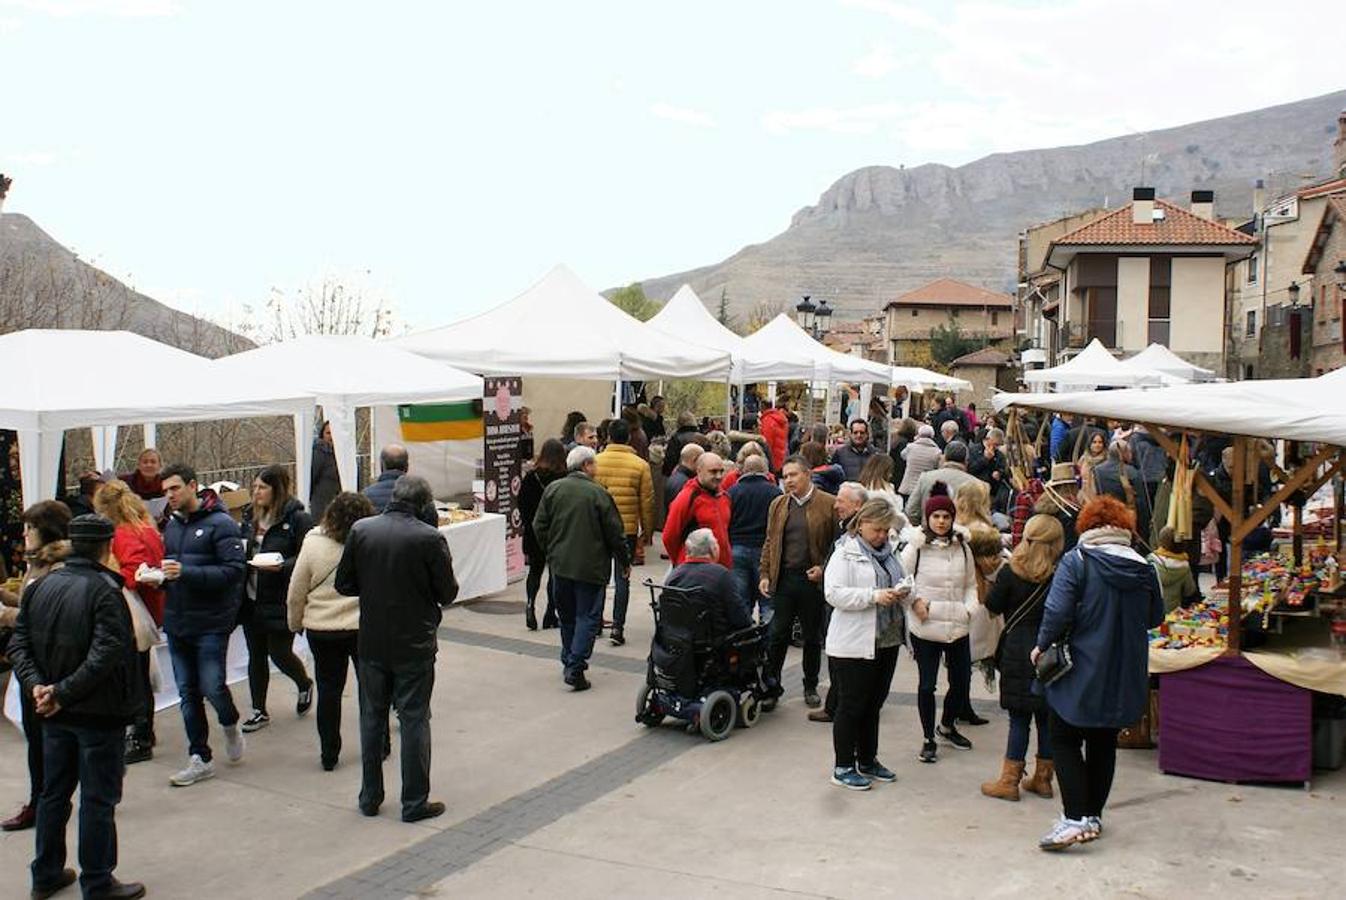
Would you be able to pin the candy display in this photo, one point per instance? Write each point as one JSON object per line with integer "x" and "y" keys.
{"x": 1204, "y": 624}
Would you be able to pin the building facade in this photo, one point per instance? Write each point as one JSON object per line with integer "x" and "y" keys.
{"x": 1323, "y": 288}
{"x": 1148, "y": 272}
{"x": 910, "y": 319}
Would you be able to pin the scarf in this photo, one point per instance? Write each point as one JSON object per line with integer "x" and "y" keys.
{"x": 888, "y": 625}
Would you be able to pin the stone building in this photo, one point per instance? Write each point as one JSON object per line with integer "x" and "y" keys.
{"x": 1323, "y": 288}
{"x": 987, "y": 369}
{"x": 910, "y": 318}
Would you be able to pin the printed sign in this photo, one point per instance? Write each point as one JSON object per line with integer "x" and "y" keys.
{"x": 503, "y": 464}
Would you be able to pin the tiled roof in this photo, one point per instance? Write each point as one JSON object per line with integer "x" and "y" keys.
{"x": 1317, "y": 190}
{"x": 986, "y": 356}
{"x": 951, "y": 292}
{"x": 1178, "y": 226}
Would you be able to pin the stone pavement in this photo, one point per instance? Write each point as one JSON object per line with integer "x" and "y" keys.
{"x": 553, "y": 793}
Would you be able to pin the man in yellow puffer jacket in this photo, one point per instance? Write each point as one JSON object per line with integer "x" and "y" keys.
{"x": 627, "y": 478}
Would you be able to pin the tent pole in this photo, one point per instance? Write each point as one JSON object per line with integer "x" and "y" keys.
{"x": 728, "y": 404}
{"x": 1235, "y": 610}
{"x": 617, "y": 399}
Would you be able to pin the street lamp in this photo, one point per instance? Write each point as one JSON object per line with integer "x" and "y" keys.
{"x": 1293, "y": 291}
{"x": 804, "y": 314}
{"x": 823, "y": 318}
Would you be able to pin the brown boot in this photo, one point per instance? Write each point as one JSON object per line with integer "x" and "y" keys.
{"x": 1007, "y": 787}
{"x": 1041, "y": 782}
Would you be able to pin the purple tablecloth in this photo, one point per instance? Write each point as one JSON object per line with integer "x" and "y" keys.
{"x": 1230, "y": 721}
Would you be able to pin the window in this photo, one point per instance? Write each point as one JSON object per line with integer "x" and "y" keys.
{"x": 915, "y": 313}
{"x": 1102, "y": 315}
{"x": 995, "y": 319}
{"x": 1252, "y": 269}
{"x": 1251, "y": 330}
{"x": 954, "y": 312}
{"x": 1160, "y": 315}
{"x": 1322, "y": 305}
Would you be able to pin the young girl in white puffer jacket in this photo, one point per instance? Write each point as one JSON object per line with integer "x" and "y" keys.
{"x": 940, "y": 607}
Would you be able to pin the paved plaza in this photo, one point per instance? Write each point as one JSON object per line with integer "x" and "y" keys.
{"x": 558, "y": 794}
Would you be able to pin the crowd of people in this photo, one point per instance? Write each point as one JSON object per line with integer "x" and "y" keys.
{"x": 891, "y": 533}
{"x": 850, "y": 544}
{"x": 105, "y": 581}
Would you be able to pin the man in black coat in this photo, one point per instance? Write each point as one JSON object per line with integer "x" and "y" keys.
{"x": 853, "y": 456}
{"x": 702, "y": 572}
{"x": 74, "y": 653}
{"x": 393, "y": 464}
{"x": 402, "y": 571}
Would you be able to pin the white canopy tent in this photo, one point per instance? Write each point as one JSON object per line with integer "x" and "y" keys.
{"x": 1093, "y": 367}
{"x": 347, "y": 372}
{"x": 125, "y": 378}
{"x": 685, "y": 317}
{"x": 921, "y": 379}
{"x": 560, "y": 327}
{"x": 1158, "y": 358}
{"x": 782, "y": 337}
{"x": 1299, "y": 409}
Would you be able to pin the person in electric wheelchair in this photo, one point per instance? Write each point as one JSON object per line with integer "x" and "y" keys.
{"x": 708, "y": 662}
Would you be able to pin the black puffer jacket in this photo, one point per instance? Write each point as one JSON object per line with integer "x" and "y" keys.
{"x": 74, "y": 632}
{"x": 208, "y": 544}
{"x": 285, "y": 537}
{"x": 530, "y": 497}
{"x": 1007, "y": 595}
{"x": 402, "y": 571}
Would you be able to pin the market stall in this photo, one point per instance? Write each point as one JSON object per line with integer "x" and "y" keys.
{"x": 477, "y": 543}
{"x": 1093, "y": 367}
{"x": 1230, "y": 712}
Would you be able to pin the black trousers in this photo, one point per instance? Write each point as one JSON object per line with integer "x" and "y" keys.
{"x": 277, "y": 647}
{"x": 405, "y": 687}
{"x": 797, "y": 597}
{"x": 92, "y": 760}
{"x": 333, "y": 654}
{"x": 537, "y": 566}
{"x": 32, "y": 733}
{"x": 1086, "y": 760}
{"x": 862, "y": 687}
{"x": 143, "y": 728}
{"x": 958, "y": 658}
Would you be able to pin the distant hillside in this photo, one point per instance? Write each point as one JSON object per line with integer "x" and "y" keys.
{"x": 880, "y": 231}
{"x": 44, "y": 285}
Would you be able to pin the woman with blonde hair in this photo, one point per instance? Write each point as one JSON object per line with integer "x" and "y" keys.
{"x": 135, "y": 542}
{"x": 1018, "y": 595}
{"x": 865, "y": 584}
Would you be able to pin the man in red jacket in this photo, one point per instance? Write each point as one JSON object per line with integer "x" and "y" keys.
{"x": 701, "y": 504}
{"x": 776, "y": 433}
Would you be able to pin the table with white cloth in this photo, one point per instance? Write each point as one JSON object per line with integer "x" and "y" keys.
{"x": 478, "y": 548}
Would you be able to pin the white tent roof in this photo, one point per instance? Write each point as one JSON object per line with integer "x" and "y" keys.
{"x": 920, "y": 379}
{"x": 359, "y": 371}
{"x": 783, "y": 338}
{"x": 686, "y": 317}
{"x": 75, "y": 379}
{"x": 561, "y": 327}
{"x": 1302, "y": 409}
{"x": 1158, "y": 358}
{"x": 1094, "y": 366}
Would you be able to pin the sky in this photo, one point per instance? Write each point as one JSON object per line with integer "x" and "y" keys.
{"x": 442, "y": 156}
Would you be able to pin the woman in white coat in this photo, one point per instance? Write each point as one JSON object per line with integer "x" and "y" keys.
{"x": 941, "y": 604}
{"x": 864, "y": 584}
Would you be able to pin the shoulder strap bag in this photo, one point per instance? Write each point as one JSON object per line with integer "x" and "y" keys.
{"x": 1054, "y": 662}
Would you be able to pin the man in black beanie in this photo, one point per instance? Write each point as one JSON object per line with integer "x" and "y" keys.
{"x": 74, "y": 652}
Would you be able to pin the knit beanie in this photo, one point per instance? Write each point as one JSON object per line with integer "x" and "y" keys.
{"x": 939, "y": 501}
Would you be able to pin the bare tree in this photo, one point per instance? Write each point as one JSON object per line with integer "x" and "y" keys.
{"x": 330, "y": 306}
{"x": 762, "y": 312}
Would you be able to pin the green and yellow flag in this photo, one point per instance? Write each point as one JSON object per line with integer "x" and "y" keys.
{"x": 441, "y": 422}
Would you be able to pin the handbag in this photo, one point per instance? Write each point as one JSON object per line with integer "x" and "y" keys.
{"x": 142, "y": 623}
{"x": 1055, "y": 661}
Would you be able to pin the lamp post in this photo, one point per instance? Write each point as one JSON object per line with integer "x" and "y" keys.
{"x": 804, "y": 314}
{"x": 823, "y": 319}
{"x": 1293, "y": 292}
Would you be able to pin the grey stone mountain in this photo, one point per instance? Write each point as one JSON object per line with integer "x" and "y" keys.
{"x": 880, "y": 231}
{"x": 45, "y": 285}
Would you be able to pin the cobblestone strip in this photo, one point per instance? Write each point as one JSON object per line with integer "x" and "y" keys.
{"x": 415, "y": 869}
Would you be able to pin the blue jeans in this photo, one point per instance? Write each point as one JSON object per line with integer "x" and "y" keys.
{"x": 198, "y": 668}
{"x": 1016, "y": 748}
{"x": 91, "y": 759}
{"x": 621, "y": 591}
{"x": 579, "y": 606}
{"x": 748, "y": 574}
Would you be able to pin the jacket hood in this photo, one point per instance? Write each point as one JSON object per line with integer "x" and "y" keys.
{"x": 774, "y": 413}
{"x": 1121, "y": 567}
{"x": 915, "y": 535}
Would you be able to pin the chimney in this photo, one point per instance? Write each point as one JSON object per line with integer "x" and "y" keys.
{"x": 1339, "y": 146}
{"x": 1203, "y": 204}
{"x": 1259, "y": 196}
{"x": 1142, "y": 205}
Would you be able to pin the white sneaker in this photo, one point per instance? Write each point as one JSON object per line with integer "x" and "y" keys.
{"x": 197, "y": 770}
{"x": 233, "y": 742}
{"x": 1095, "y": 827}
{"x": 1066, "y": 833}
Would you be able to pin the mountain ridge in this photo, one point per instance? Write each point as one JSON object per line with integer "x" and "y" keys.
{"x": 878, "y": 231}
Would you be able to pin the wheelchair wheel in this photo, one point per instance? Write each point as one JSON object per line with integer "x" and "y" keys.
{"x": 645, "y": 715}
{"x": 718, "y": 714}
{"x": 749, "y": 711}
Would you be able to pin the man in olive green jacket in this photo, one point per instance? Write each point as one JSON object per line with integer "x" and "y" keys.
{"x": 578, "y": 526}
